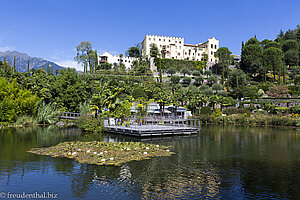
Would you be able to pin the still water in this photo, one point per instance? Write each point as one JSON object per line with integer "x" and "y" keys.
{"x": 217, "y": 163}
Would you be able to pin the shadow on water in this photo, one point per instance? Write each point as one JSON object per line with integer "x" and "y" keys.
{"x": 218, "y": 162}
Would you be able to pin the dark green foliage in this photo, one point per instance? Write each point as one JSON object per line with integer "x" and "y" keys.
{"x": 290, "y": 45}
{"x": 212, "y": 79}
{"x": 206, "y": 110}
{"x": 89, "y": 124}
{"x": 295, "y": 109}
{"x": 251, "y": 58}
{"x": 28, "y": 69}
{"x": 180, "y": 64}
{"x": 134, "y": 51}
{"x": 208, "y": 72}
{"x": 70, "y": 89}
{"x": 217, "y": 87}
{"x": 154, "y": 50}
{"x": 231, "y": 110}
{"x": 185, "y": 71}
{"x": 175, "y": 79}
{"x": 297, "y": 79}
{"x": 186, "y": 81}
{"x": 291, "y": 57}
{"x": 237, "y": 78}
{"x": 198, "y": 81}
{"x": 171, "y": 70}
{"x": 139, "y": 93}
{"x": 224, "y": 56}
{"x": 196, "y": 73}
{"x": 272, "y": 60}
{"x": 105, "y": 65}
{"x": 252, "y": 41}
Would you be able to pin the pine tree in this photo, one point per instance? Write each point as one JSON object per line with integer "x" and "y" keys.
{"x": 51, "y": 69}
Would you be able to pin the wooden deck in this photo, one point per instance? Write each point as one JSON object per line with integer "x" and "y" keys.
{"x": 152, "y": 130}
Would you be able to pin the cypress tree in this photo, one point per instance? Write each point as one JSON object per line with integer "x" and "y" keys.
{"x": 14, "y": 63}
{"x": 4, "y": 61}
{"x": 96, "y": 61}
{"x": 91, "y": 68}
{"x": 28, "y": 70}
{"x": 48, "y": 69}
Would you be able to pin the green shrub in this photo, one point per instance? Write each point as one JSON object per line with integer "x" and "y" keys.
{"x": 47, "y": 113}
{"x": 84, "y": 108}
{"x": 232, "y": 110}
{"x": 186, "y": 81}
{"x": 206, "y": 110}
{"x": 25, "y": 120}
{"x": 283, "y": 110}
{"x": 89, "y": 123}
{"x": 295, "y": 109}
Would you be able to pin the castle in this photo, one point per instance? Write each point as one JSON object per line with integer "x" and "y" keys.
{"x": 175, "y": 48}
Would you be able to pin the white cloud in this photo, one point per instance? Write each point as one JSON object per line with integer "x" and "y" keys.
{"x": 7, "y": 48}
{"x": 70, "y": 63}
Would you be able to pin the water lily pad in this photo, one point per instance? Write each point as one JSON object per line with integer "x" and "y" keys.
{"x": 103, "y": 153}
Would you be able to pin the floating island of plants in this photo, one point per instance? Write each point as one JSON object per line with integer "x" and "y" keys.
{"x": 104, "y": 153}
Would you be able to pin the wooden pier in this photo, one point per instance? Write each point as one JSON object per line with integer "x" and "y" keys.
{"x": 152, "y": 130}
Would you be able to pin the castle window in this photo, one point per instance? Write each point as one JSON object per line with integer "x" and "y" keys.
{"x": 159, "y": 39}
{"x": 212, "y": 46}
{"x": 179, "y": 42}
{"x": 169, "y": 40}
{"x": 215, "y": 46}
{"x": 198, "y": 54}
{"x": 164, "y": 40}
{"x": 175, "y": 41}
{"x": 153, "y": 39}
{"x": 118, "y": 59}
{"x": 211, "y": 53}
{"x": 167, "y": 46}
{"x": 149, "y": 39}
{"x": 185, "y": 53}
{"x": 178, "y": 54}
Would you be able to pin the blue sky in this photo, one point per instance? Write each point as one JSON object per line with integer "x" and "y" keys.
{"x": 52, "y": 29}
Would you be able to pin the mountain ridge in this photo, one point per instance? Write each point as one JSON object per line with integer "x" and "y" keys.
{"x": 22, "y": 61}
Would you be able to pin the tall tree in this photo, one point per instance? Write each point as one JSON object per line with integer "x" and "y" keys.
{"x": 134, "y": 51}
{"x": 96, "y": 61}
{"x": 14, "y": 63}
{"x": 224, "y": 56}
{"x": 28, "y": 69}
{"x": 272, "y": 59}
{"x": 84, "y": 54}
{"x": 251, "y": 56}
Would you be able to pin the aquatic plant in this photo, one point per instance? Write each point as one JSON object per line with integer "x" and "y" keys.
{"x": 104, "y": 153}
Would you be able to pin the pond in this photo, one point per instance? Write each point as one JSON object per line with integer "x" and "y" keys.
{"x": 217, "y": 163}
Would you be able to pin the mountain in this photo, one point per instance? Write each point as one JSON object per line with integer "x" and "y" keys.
{"x": 22, "y": 61}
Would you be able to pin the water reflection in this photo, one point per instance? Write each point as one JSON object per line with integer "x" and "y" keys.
{"x": 219, "y": 162}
